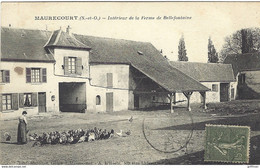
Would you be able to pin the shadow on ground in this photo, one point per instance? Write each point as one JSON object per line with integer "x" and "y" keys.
{"x": 10, "y": 143}
{"x": 252, "y": 120}
{"x": 197, "y": 158}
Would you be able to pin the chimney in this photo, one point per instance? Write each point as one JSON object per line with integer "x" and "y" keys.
{"x": 68, "y": 30}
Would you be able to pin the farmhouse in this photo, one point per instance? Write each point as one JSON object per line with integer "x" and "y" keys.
{"x": 218, "y": 77}
{"x": 247, "y": 73}
{"x": 43, "y": 71}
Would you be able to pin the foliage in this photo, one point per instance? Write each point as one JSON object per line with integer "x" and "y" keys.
{"x": 212, "y": 54}
{"x": 182, "y": 54}
{"x": 242, "y": 41}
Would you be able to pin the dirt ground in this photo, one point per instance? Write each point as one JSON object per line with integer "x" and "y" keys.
{"x": 165, "y": 131}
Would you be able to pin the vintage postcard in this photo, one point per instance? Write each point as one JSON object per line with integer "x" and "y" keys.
{"x": 130, "y": 83}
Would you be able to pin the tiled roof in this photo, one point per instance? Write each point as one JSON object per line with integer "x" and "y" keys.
{"x": 64, "y": 40}
{"x": 142, "y": 56}
{"x": 29, "y": 45}
{"x": 206, "y": 72}
{"x": 24, "y": 45}
{"x": 243, "y": 62}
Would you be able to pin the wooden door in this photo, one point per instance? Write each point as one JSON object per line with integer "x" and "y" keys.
{"x": 136, "y": 101}
{"x": 109, "y": 102}
{"x": 224, "y": 92}
{"x": 42, "y": 101}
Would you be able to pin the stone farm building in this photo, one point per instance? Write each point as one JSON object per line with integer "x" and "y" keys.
{"x": 247, "y": 73}
{"x": 44, "y": 71}
{"x": 218, "y": 77}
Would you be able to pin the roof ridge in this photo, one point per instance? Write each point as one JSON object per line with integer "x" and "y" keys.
{"x": 72, "y": 36}
{"x": 206, "y": 63}
{"x": 50, "y": 31}
{"x": 4, "y": 27}
{"x": 110, "y": 38}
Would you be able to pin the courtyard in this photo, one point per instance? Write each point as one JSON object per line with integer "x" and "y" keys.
{"x": 186, "y": 130}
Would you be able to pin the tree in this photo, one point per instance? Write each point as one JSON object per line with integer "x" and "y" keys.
{"x": 242, "y": 41}
{"x": 182, "y": 55}
{"x": 212, "y": 54}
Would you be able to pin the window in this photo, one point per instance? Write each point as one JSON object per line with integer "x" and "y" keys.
{"x": 9, "y": 101}
{"x": 109, "y": 80}
{"x": 72, "y": 65}
{"x": 6, "y": 102}
{"x": 214, "y": 88}
{"x": 5, "y": 76}
{"x": 98, "y": 100}
{"x": 36, "y": 75}
{"x": 153, "y": 98}
{"x": 241, "y": 79}
{"x": 27, "y": 99}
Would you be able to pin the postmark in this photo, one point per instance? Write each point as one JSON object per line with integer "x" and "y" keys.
{"x": 227, "y": 143}
{"x": 168, "y": 134}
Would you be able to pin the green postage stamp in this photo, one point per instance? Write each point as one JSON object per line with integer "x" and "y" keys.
{"x": 227, "y": 143}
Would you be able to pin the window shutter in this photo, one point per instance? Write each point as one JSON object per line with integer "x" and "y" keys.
{"x": 21, "y": 100}
{"x": 7, "y": 76}
{"x": 3, "y": 76}
{"x": 28, "y": 75}
{"x": 0, "y": 102}
{"x": 79, "y": 66}
{"x": 66, "y": 66}
{"x": 15, "y": 101}
{"x": 44, "y": 75}
{"x": 34, "y": 99}
{"x": 109, "y": 80}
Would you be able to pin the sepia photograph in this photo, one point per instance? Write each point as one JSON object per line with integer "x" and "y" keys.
{"x": 130, "y": 83}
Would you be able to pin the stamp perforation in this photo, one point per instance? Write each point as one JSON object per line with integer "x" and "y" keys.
{"x": 229, "y": 126}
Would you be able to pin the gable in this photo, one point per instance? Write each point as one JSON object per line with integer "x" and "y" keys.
{"x": 206, "y": 72}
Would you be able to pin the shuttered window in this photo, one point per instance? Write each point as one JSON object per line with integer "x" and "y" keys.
{"x": 72, "y": 65}
{"x": 109, "y": 80}
{"x": 9, "y": 101}
{"x": 5, "y": 76}
{"x": 36, "y": 75}
{"x": 28, "y": 99}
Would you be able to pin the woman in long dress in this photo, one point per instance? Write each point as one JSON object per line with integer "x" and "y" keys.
{"x": 22, "y": 129}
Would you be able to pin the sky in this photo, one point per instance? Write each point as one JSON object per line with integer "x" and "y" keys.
{"x": 206, "y": 19}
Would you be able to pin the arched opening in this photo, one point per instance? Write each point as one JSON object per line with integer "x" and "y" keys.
{"x": 98, "y": 100}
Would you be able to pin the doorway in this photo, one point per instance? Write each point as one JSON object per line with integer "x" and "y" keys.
{"x": 72, "y": 97}
{"x": 136, "y": 101}
{"x": 109, "y": 102}
{"x": 42, "y": 102}
{"x": 224, "y": 92}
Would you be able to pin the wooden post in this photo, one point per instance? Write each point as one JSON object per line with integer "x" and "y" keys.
{"x": 171, "y": 103}
{"x": 188, "y": 94}
{"x": 174, "y": 100}
{"x": 203, "y": 94}
{"x": 188, "y": 106}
